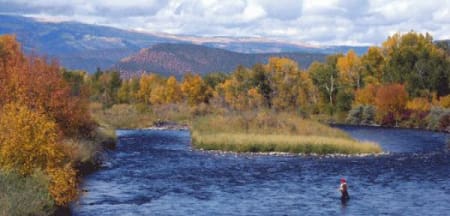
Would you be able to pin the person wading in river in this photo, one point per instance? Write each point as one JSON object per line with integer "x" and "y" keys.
{"x": 344, "y": 190}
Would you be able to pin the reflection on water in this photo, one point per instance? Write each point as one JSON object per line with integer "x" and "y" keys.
{"x": 157, "y": 173}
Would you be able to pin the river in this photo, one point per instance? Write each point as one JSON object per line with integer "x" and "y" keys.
{"x": 156, "y": 172}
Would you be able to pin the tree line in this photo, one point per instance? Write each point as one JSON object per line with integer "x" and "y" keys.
{"x": 398, "y": 84}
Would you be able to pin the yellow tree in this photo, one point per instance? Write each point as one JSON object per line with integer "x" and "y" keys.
{"x": 172, "y": 91}
{"x": 255, "y": 99}
{"x": 284, "y": 81}
{"x": 195, "y": 89}
{"x": 146, "y": 85}
{"x": 349, "y": 67}
{"x": 158, "y": 95}
{"x": 419, "y": 104}
{"x": 232, "y": 95}
{"x": 28, "y": 140}
{"x": 307, "y": 92}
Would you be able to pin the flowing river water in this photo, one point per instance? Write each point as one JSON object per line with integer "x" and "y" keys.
{"x": 156, "y": 172}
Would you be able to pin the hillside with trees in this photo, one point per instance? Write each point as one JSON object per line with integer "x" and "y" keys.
{"x": 177, "y": 59}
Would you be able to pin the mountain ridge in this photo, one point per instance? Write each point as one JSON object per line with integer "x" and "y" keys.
{"x": 177, "y": 59}
{"x": 87, "y": 47}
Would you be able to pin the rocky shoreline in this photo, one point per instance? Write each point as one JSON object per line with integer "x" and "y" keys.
{"x": 284, "y": 154}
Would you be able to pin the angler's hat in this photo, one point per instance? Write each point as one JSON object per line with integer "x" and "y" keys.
{"x": 343, "y": 180}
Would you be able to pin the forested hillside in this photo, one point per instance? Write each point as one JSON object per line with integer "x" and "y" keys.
{"x": 177, "y": 59}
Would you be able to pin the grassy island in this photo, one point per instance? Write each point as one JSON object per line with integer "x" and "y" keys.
{"x": 266, "y": 132}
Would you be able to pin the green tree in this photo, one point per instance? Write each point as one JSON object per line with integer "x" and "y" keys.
{"x": 324, "y": 78}
{"x": 372, "y": 64}
{"x": 414, "y": 60}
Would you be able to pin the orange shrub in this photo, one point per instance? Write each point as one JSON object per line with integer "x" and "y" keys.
{"x": 39, "y": 85}
{"x": 366, "y": 95}
{"x": 391, "y": 100}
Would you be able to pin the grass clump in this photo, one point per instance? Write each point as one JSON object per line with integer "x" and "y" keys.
{"x": 269, "y": 132}
{"x": 27, "y": 195}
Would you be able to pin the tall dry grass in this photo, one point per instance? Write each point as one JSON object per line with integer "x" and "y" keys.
{"x": 127, "y": 116}
{"x": 271, "y": 132}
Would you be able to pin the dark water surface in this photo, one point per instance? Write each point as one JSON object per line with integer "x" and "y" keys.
{"x": 156, "y": 173}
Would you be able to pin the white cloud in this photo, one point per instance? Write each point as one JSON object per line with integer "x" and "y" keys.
{"x": 322, "y": 22}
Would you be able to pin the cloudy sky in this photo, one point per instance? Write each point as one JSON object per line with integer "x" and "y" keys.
{"x": 323, "y": 22}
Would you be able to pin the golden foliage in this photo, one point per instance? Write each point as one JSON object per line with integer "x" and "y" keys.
{"x": 419, "y": 104}
{"x": 232, "y": 95}
{"x": 157, "y": 95}
{"x": 172, "y": 91}
{"x": 28, "y": 140}
{"x": 349, "y": 67}
{"x": 63, "y": 184}
{"x": 146, "y": 85}
{"x": 195, "y": 89}
{"x": 366, "y": 95}
{"x": 445, "y": 101}
{"x": 255, "y": 99}
{"x": 39, "y": 85}
{"x": 285, "y": 82}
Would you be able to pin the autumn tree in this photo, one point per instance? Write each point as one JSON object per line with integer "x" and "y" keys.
{"x": 284, "y": 80}
{"x": 195, "y": 89}
{"x": 349, "y": 67}
{"x": 173, "y": 92}
{"x": 147, "y": 84}
{"x": 308, "y": 94}
{"x": 39, "y": 84}
{"x": 29, "y": 141}
{"x": 366, "y": 95}
{"x": 232, "y": 93}
{"x": 158, "y": 95}
{"x": 12, "y": 63}
{"x": 390, "y": 102}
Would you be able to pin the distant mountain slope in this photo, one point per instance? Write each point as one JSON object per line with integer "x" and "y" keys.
{"x": 77, "y": 45}
{"x": 85, "y": 46}
{"x": 177, "y": 59}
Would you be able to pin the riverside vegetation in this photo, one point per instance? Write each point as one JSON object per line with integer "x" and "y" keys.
{"x": 47, "y": 134}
